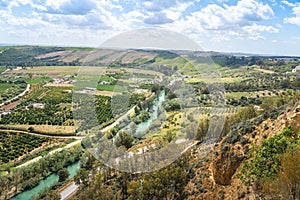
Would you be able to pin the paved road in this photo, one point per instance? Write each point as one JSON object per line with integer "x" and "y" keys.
{"x": 68, "y": 191}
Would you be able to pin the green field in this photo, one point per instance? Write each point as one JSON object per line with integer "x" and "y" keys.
{"x": 223, "y": 80}
{"x": 106, "y": 78}
{"x": 53, "y": 94}
{"x": 10, "y": 90}
{"x": 111, "y": 88}
{"x": 2, "y": 69}
{"x": 5, "y": 86}
{"x": 38, "y": 80}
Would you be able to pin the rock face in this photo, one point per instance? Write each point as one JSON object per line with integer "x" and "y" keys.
{"x": 225, "y": 165}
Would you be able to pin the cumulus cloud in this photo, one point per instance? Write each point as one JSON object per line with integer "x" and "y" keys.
{"x": 220, "y": 21}
{"x": 296, "y": 18}
{"x": 246, "y": 11}
{"x": 162, "y": 11}
{"x": 223, "y": 22}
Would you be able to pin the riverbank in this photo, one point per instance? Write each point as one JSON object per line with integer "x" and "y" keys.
{"x": 50, "y": 153}
{"x": 47, "y": 183}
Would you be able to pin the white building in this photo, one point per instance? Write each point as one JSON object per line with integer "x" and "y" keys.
{"x": 38, "y": 105}
{"x": 296, "y": 69}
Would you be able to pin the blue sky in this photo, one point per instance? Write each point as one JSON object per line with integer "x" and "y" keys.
{"x": 252, "y": 26}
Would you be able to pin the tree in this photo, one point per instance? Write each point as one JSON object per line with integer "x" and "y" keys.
{"x": 124, "y": 139}
{"x": 63, "y": 174}
{"x": 30, "y": 129}
{"x": 202, "y": 129}
{"x": 52, "y": 195}
{"x": 169, "y": 136}
{"x": 155, "y": 88}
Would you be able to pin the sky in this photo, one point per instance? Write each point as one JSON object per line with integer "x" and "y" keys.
{"x": 270, "y": 27}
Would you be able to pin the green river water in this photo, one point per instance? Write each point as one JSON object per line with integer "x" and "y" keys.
{"x": 28, "y": 194}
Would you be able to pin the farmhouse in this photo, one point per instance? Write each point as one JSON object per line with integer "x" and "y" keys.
{"x": 38, "y": 105}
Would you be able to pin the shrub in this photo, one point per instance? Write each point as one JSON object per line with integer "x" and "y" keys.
{"x": 286, "y": 184}
{"x": 265, "y": 159}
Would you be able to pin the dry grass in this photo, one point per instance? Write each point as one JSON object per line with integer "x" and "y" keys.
{"x": 264, "y": 70}
{"x": 45, "y": 128}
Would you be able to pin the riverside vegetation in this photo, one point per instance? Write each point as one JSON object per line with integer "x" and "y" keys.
{"x": 255, "y": 156}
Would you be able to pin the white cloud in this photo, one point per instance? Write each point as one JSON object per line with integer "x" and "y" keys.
{"x": 288, "y": 3}
{"x": 296, "y": 18}
{"x": 255, "y": 31}
{"x": 240, "y": 21}
{"x": 246, "y": 11}
{"x": 162, "y": 11}
{"x": 96, "y": 20}
{"x": 158, "y": 18}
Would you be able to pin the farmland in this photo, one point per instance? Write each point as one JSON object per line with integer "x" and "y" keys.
{"x": 140, "y": 104}
{"x": 13, "y": 145}
{"x": 10, "y": 89}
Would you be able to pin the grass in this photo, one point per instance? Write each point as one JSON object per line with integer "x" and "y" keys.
{"x": 237, "y": 95}
{"x": 53, "y": 94}
{"x": 142, "y": 71}
{"x": 178, "y": 61}
{"x": 5, "y": 86}
{"x": 2, "y": 69}
{"x": 50, "y": 70}
{"x": 106, "y": 78}
{"x": 264, "y": 70}
{"x": 111, "y": 88}
{"x": 223, "y": 80}
{"x": 46, "y": 129}
{"x": 9, "y": 89}
{"x": 34, "y": 81}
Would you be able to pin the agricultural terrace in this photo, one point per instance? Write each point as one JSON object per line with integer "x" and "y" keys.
{"x": 10, "y": 89}
{"x": 14, "y": 145}
{"x": 46, "y": 106}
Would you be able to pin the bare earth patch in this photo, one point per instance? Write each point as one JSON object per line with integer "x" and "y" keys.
{"x": 45, "y": 128}
{"x": 54, "y": 54}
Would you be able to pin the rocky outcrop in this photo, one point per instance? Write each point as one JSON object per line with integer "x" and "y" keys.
{"x": 225, "y": 164}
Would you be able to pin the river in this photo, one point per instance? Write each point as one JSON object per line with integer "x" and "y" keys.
{"x": 50, "y": 180}
{"x": 156, "y": 105}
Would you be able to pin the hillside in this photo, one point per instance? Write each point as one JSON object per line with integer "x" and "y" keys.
{"x": 152, "y": 124}
{"x": 219, "y": 177}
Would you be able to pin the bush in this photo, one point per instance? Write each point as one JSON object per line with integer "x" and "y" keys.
{"x": 233, "y": 137}
{"x": 243, "y": 141}
{"x": 286, "y": 184}
{"x": 124, "y": 139}
{"x": 265, "y": 159}
{"x": 63, "y": 174}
